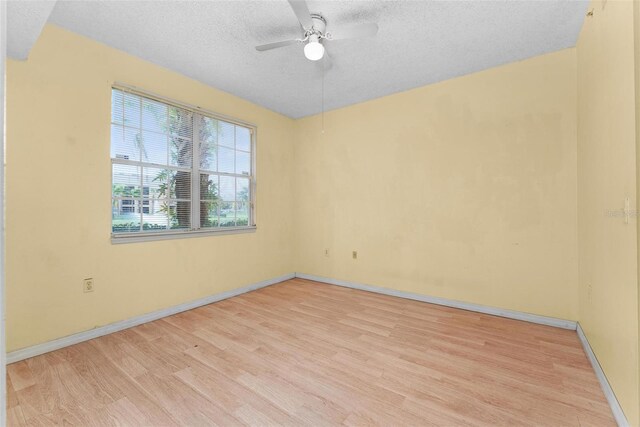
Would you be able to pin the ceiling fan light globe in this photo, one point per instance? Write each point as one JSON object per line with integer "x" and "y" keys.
{"x": 314, "y": 51}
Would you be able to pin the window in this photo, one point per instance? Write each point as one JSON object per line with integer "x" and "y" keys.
{"x": 177, "y": 170}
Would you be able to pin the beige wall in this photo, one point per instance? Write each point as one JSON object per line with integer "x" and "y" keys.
{"x": 636, "y": 26}
{"x": 487, "y": 188}
{"x": 464, "y": 189}
{"x": 3, "y": 355}
{"x": 608, "y": 290}
{"x": 58, "y": 197}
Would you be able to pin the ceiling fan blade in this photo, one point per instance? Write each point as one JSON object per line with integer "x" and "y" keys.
{"x": 354, "y": 32}
{"x": 275, "y": 45}
{"x": 302, "y": 12}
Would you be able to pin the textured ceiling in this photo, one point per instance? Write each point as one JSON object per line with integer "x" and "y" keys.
{"x": 419, "y": 42}
{"x": 25, "y": 20}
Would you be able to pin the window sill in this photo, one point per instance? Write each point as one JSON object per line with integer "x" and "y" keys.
{"x": 118, "y": 239}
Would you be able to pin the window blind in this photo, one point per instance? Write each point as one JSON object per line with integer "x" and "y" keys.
{"x": 177, "y": 170}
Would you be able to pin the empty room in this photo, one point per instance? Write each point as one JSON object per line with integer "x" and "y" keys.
{"x": 319, "y": 213}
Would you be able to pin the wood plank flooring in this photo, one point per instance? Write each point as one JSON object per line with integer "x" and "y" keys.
{"x": 305, "y": 353}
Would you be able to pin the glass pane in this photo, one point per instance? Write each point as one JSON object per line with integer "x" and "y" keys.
{"x": 126, "y": 181}
{"x": 227, "y": 214}
{"x": 208, "y": 156}
{"x": 179, "y": 184}
{"x": 243, "y": 163}
{"x": 226, "y": 160}
{"x": 131, "y": 110}
{"x": 209, "y": 187}
{"x": 125, "y": 143}
{"x": 227, "y": 188}
{"x": 155, "y": 183}
{"x": 181, "y": 152}
{"x": 208, "y": 130}
{"x": 154, "y": 148}
{"x": 242, "y": 190}
{"x": 117, "y": 106}
{"x": 226, "y": 134}
{"x": 242, "y": 213}
{"x": 180, "y": 122}
{"x": 209, "y": 213}
{"x": 133, "y": 140}
{"x": 125, "y": 216}
{"x": 243, "y": 139}
{"x": 154, "y": 116}
{"x": 179, "y": 215}
{"x": 155, "y": 215}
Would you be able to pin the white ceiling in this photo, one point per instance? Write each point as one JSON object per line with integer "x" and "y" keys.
{"x": 419, "y": 42}
{"x": 24, "y": 24}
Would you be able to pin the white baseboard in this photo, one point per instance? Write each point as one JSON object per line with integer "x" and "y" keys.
{"x": 618, "y": 414}
{"x": 38, "y": 349}
{"x": 511, "y": 314}
{"x": 616, "y": 409}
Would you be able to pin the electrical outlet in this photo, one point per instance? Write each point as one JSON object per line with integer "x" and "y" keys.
{"x": 326, "y": 253}
{"x": 87, "y": 285}
{"x": 354, "y": 254}
{"x": 589, "y": 292}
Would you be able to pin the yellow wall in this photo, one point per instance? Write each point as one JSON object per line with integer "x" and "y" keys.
{"x": 464, "y": 189}
{"x": 606, "y": 176}
{"x": 490, "y": 188}
{"x": 636, "y": 26}
{"x": 58, "y": 197}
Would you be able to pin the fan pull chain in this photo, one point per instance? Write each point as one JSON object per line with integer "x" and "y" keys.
{"x": 324, "y": 63}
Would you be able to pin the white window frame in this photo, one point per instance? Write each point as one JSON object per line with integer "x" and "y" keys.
{"x": 195, "y": 231}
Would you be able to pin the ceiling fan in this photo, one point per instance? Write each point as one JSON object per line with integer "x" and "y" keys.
{"x": 314, "y": 28}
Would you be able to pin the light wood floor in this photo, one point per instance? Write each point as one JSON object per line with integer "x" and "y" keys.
{"x": 305, "y": 353}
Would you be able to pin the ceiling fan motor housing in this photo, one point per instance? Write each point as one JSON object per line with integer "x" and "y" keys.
{"x": 319, "y": 24}
{"x": 314, "y": 26}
